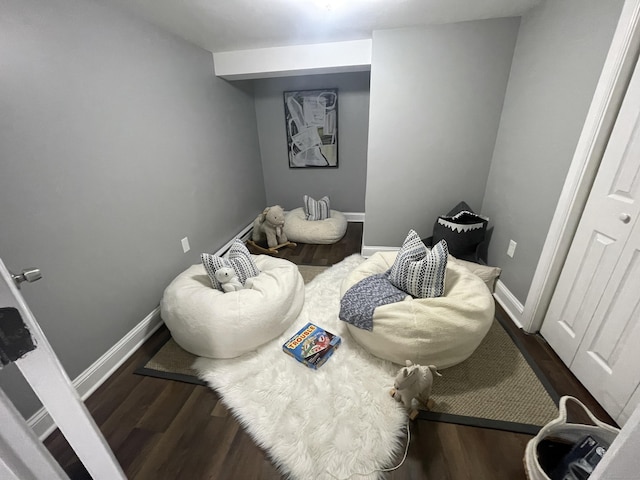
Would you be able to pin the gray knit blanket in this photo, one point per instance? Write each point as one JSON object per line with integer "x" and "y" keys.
{"x": 360, "y": 301}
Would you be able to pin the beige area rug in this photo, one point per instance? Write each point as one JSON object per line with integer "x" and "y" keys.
{"x": 497, "y": 387}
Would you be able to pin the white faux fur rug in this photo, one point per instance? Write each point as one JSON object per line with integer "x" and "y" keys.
{"x": 333, "y": 422}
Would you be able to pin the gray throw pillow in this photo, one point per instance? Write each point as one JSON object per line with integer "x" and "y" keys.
{"x": 316, "y": 209}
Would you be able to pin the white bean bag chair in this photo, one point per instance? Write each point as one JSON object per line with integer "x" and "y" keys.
{"x": 210, "y": 323}
{"x": 298, "y": 229}
{"x": 442, "y": 331}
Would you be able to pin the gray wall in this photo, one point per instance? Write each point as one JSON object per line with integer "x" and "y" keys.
{"x": 116, "y": 141}
{"x": 436, "y": 98}
{"x": 557, "y": 62}
{"x": 346, "y": 184}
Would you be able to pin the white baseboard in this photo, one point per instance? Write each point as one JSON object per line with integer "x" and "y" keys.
{"x": 368, "y": 250}
{"x": 88, "y": 381}
{"x": 242, "y": 235}
{"x": 354, "y": 216}
{"x": 509, "y": 302}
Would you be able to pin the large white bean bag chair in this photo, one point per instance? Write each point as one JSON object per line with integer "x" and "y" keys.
{"x": 298, "y": 229}
{"x": 442, "y": 331}
{"x": 210, "y": 323}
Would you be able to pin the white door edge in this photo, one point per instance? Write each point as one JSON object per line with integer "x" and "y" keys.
{"x": 47, "y": 378}
{"x": 22, "y": 455}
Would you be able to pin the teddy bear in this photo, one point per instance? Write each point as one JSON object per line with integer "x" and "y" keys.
{"x": 228, "y": 279}
{"x": 414, "y": 381}
{"x": 270, "y": 224}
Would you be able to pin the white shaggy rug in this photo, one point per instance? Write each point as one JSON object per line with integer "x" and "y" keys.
{"x": 329, "y": 423}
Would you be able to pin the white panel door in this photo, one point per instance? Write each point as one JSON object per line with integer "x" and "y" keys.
{"x": 607, "y": 359}
{"x": 630, "y": 407}
{"x": 594, "y": 311}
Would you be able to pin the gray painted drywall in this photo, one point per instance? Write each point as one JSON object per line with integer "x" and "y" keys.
{"x": 345, "y": 185}
{"x": 116, "y": 140}
{"x": 436, "y": 98}
{"x": 557, "y": 62}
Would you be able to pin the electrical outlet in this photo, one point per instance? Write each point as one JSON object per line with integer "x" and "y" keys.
{"x": 185, "y": 244}
{"x": 512, "y": 248}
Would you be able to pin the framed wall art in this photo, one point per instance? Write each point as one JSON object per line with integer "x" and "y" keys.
{"x": 311, "y": 122}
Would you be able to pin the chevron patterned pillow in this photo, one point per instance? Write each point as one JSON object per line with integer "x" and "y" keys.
{"x": 238, "y": 258}
{"x": 417, "y": 271}
{"x": 316, "y": 209}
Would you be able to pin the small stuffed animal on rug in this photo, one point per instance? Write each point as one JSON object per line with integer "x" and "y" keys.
{"x": 270, "y": 224}
{"x": 414, "y": 381}
{"x": 228, "y": 279}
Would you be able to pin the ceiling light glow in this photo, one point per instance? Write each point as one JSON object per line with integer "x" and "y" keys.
{"x": 328, "y": 5}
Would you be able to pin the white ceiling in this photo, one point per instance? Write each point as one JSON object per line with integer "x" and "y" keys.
{"x": 225, "y": 25}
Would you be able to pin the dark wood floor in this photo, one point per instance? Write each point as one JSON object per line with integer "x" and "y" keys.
{"x": 305, "y": 254}
{"x": 163, "y": 429}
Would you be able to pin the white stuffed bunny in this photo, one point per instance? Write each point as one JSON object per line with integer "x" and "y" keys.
{"x": 228, "y": 279}
{"x": 414, "y": 381}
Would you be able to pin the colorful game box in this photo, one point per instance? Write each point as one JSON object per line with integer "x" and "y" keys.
{"x": 312, "y": 345}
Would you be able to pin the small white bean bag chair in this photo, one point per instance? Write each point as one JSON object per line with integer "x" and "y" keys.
{"x": 210, "y": 323}
{"x": 442, "y": 331}
{"x": 298, "y": 229}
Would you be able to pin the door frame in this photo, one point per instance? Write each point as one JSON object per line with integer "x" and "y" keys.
{"x": 608, "y": 96}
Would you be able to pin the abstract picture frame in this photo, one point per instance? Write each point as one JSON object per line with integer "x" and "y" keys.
{"x": 311, "y": 123}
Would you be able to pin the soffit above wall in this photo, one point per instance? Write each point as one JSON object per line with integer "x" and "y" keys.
{"x": 338, "y": 57}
